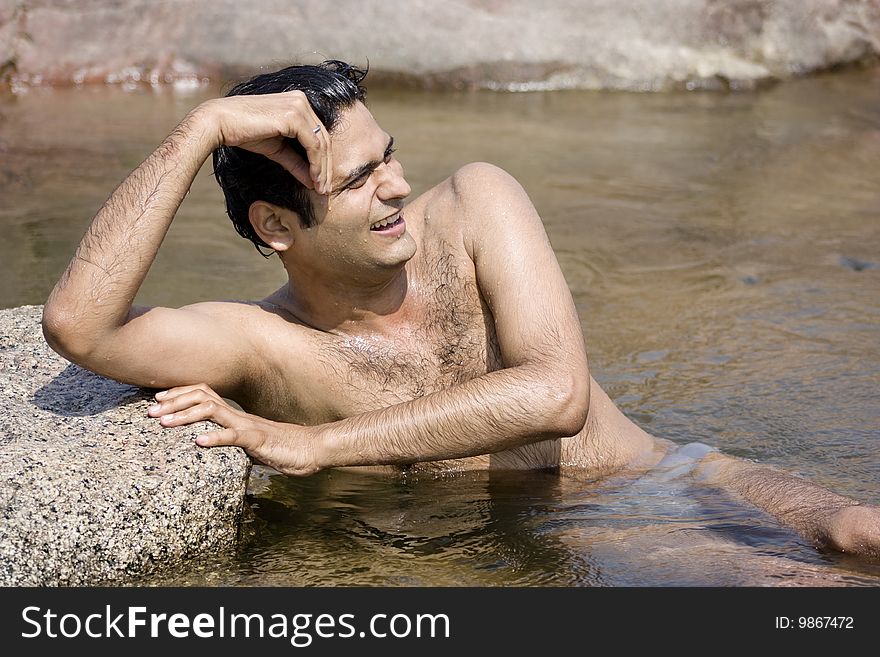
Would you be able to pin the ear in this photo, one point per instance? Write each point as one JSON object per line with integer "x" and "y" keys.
{"x": 275, "y": 225}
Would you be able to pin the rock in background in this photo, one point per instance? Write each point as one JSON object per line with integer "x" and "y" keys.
{"x": 91, "y": 489}
{"x": 508, "y": 44}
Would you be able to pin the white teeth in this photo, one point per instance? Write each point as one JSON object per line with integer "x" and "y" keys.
{"x": 384, "y": 222}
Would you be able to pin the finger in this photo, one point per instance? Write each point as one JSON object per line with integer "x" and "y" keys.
{"x": 217, "y": 438}
{"x": 329, "y": 186}
{"x": 318, "y": 154}
{"x": 182, "y": 401}
{"x": 279, "y": 150}
{"x": 315, "y": 139}
{"x": 294, "y": 164}
{"x": 239, "y": 438}
{"x": 171, "y": 393}
{"x": 328, "y": 166}
{"x": 206, "y": 410}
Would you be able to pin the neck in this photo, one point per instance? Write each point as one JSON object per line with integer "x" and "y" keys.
{"x": 335, "y": 305}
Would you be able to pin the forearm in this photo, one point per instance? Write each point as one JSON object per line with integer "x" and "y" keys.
{"x": 494, "y": 412}
{"x": 96, "y": 291}
{"x": 797, "y": 503}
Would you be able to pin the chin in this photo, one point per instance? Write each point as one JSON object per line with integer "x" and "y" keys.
{"x": 401, "y": 252}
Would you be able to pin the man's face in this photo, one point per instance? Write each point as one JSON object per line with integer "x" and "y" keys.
{"x": 359, "y": 227}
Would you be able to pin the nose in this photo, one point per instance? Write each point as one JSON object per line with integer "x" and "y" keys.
{"x": 393, "y": 184}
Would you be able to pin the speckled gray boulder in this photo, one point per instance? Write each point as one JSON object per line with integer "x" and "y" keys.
{"x": 91, "y": 489}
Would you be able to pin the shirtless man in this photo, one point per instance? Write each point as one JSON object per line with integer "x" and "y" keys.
{"x": 440, "y": 334}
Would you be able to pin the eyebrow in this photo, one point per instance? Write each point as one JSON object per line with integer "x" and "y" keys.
{"x": 369, "y": 167}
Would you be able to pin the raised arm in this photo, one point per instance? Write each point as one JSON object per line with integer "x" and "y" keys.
{"x": 541, "y": 393}
{"x": 89, "y": 317}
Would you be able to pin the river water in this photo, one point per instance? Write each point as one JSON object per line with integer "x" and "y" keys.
{"x": 724, "y": 254}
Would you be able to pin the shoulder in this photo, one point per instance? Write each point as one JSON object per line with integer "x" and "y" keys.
{"x": 256, "y": 319}
{"x": 474, "y": 180}
{"x": 489, "y": 203}
{"x": 234, "y": 316}
{"x": 254, "y": 327}
{"x": 276, "y": 354}
{"x": 473, "y": 197}
{"x": 470, "y": 184}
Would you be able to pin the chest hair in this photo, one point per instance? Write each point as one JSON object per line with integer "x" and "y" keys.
{"x": 454, "y": 341}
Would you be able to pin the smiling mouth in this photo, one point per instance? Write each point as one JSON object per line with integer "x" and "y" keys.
{"x": 387, "y": 224}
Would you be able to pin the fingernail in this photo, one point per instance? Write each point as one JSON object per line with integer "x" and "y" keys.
{"x": 154, "y": 408}
{"x": 167, "y": 418}
{"x": 201, "y": 440}
{"x": 159, "y": 395}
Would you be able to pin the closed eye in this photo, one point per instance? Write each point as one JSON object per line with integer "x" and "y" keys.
{"x": 361, "y": 178}
{"x": 389, "y": 151}
{"x": 360, "y": 181}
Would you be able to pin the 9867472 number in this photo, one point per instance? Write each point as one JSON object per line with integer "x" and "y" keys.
{"x": 815, "y": 623}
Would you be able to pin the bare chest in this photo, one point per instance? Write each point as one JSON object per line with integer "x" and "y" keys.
{"x": 450, "y": 340}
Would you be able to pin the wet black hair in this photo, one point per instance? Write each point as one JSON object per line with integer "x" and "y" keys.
{"x": 246, "y": 177}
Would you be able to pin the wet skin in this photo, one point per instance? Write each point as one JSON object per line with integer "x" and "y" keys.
{"x": 435, "y": 334}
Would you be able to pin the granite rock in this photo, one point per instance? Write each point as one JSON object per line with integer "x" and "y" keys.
{"x": 510, "y": 44}
{"x": 92, "y": 490}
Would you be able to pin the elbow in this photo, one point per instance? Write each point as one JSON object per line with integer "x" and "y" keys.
{"x": 61, "y": 334}
{"x": 570, "y": 403}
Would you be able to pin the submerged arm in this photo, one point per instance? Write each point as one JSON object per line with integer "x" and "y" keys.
{"x": 826, "y": 519}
